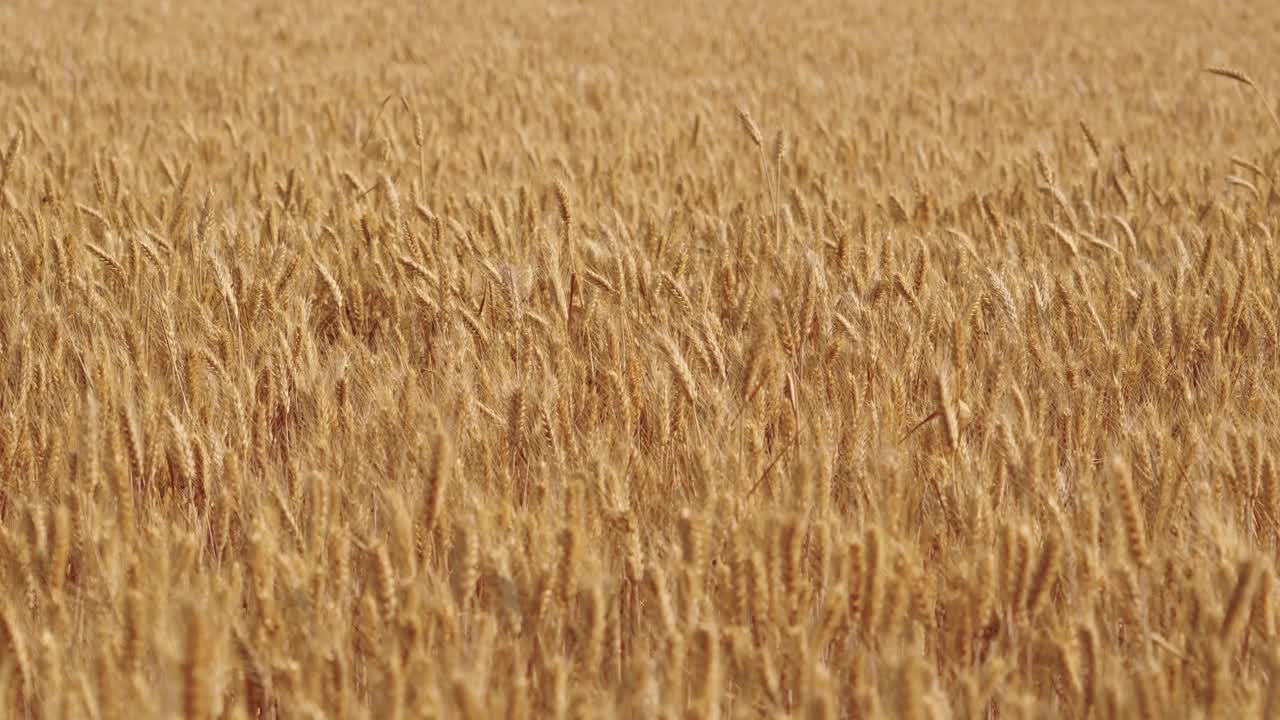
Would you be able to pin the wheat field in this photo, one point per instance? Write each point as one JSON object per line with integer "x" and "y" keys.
{"x": 649, "y": 360}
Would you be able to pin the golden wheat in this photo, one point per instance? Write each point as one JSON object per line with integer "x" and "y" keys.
{"x": 482, "y": 360}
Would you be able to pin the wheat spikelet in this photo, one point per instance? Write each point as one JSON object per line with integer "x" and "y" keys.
{"x": 1043, "y": 577}
{"x": 107, "y": 260}
{"x": 707, "y": 642}
{"x": 386, "y": 581}
{"x": 1244, "y": 79}
{"x": 565, "y": 207}
{"x": 1240, "y": 602}
{"x": 1092, "y": 140}
{"x": 597, "y": 625}
{"x": 59, "y": 549}
{"x": 874, "y": 581}
{"x": 779, "y": 147}
{"x": 1231, "y": 74}
{"x": 196, "y": 693}
{"x": 335, "y": 292}
{"x": 10, "y": 158}
{"x": 1130, "y": 511}
{"x": 749, "y": 126}
{"x": 947, "y": 408}
{"x": 15, "y": 642}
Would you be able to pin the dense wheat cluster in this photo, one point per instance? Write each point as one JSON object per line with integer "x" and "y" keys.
{"x": 660, "y": 359}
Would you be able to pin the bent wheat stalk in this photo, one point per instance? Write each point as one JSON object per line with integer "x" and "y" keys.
{"x": 1244, "y": 79}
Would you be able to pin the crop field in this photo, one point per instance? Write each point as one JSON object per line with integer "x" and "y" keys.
{"x": 645, "y": 359}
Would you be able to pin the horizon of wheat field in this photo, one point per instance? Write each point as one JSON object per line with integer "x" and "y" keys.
{"x": 649, "y": 360}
